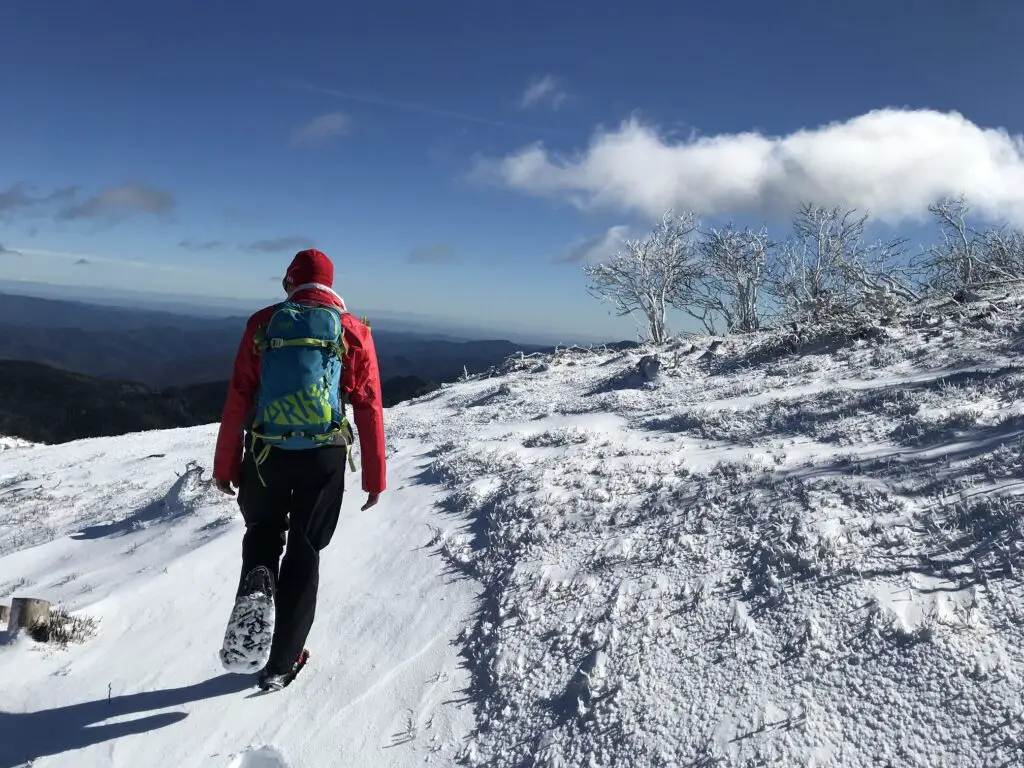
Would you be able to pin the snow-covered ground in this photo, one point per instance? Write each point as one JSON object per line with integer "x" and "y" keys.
{"x": 128, "y": 531}
{"x": 767, "y": 558}
{"x": 6, "y": 443}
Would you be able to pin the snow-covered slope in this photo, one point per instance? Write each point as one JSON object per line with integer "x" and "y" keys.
{"x": 767, "y": 557}
{"x": 129, "y": 531}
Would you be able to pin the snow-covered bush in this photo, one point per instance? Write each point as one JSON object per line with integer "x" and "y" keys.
{"x": 821, "y": 278}
{"x": 728, "y": 280}
{"x": 556, "y": 438}
{"x": 64, "y": 628}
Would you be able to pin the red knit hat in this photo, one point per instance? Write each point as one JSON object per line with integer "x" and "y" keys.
{"x": 310, "y": 266}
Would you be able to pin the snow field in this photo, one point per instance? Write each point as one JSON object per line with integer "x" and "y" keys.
{"x": 127, "y": 531}
{"x": 785, "y": 562}
{"x": 778, "y": 554}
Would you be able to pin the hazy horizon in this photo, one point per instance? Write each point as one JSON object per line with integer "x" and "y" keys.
{"x": 222, "y": 306}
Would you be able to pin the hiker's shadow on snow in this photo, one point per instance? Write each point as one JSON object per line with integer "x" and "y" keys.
{"x": 27, "y": 736}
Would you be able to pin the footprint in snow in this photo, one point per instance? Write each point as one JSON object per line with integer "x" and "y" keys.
{"x": 262, "y": 757}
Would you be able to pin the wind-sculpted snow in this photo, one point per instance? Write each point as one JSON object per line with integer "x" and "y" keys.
{"x": 792, "y": 549}
{"x": 810, "y": 559}
{"x": 130, "y": 533}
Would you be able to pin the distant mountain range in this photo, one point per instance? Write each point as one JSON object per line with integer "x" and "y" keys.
{"x": 161, "y": 349}
{"x": 49, "y": 405}
{"x": 70, "y": 370}
{"x": 46, "y": 405}
{"x": 219, "y": 307}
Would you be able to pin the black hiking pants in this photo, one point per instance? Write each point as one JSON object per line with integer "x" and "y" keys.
{"x": 294, "y": 511}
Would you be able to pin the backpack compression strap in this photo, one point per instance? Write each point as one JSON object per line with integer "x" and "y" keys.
{"x": 339, "y": 348}
{"x": 343, "y": 430}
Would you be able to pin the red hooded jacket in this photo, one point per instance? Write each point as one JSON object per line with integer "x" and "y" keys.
{"x": 360, "y": 382}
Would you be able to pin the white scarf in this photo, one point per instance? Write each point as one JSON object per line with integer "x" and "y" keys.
{"x": 318, "y": 287}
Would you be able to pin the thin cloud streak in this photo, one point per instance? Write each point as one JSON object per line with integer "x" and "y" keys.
{"x": 424, "y": 109}
{"x": 190, "y": 244}
{"x": 280, "y": 244}
{"x": 544, "y": 89}
{"x": 19, "y": 197}
{"x": 122, "y": 200}
{"x": 597, "y": 248}
{"x": 320, "y": 129}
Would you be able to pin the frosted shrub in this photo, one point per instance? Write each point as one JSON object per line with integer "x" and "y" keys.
{"x": 557, "y": 438}
{"x": 64, "y": 628}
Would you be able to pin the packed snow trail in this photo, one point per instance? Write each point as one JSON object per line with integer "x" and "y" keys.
{"x": 152, "y": 551}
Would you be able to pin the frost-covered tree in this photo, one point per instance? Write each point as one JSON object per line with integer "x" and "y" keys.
{"x": 966, "y": 256}
{"x": 956, "y": 262}
{"x": 1004, "y": 252}
{"x": 807, "y": 277}
{"x": 879, "y": 279}
{"x": 640, "y": 280}
{"x": 826, "y": 271}
{"x": 728, "y": 281}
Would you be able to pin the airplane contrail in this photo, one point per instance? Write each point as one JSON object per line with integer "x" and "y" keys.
{"x": 411, "y": 107}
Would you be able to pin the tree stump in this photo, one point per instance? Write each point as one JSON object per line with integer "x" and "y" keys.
{"x": 27, "y": 613}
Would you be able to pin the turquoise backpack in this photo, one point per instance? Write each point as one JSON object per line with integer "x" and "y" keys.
{"x": 299, "y": 404}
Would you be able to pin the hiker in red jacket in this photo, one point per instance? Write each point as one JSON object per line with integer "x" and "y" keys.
{"x": 298, "y": 492}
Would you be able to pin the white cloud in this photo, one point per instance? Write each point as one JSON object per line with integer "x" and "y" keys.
{"x": 597, "y": 248}
{"x": 890, "y": 162}
{"x": 320, "y": 129}
{"x": 544, "y": 89}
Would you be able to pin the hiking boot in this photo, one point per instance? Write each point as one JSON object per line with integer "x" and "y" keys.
{"x": 272, "y": 680}
{"x": 258, "y": 581}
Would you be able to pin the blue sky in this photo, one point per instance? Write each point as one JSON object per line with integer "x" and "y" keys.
{"x": 460, "y": 159}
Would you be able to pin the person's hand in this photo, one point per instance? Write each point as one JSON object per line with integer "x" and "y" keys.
{"x": 225, "y": 486}
{"x": 371, "y": 501}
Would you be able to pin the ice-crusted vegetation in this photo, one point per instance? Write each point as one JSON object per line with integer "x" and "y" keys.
{"x": 64, "y": 628}
{"x": 795, "y": 550}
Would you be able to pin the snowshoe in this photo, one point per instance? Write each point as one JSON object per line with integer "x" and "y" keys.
{"x": 275, "y": 681}
{"x": 250, "y": 628}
